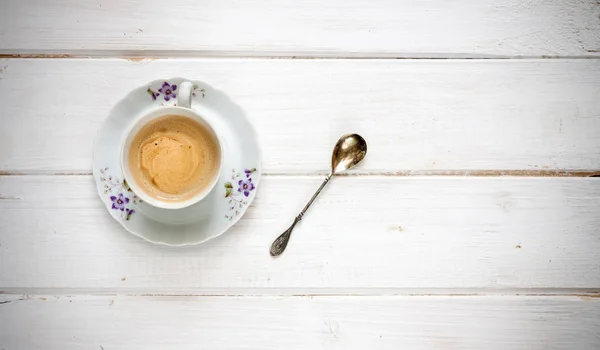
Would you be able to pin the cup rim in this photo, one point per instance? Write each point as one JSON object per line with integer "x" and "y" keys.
{"x": 128, "y": 138}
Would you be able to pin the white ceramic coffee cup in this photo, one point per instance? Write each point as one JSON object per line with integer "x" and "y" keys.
{"x": 184, "y": 101}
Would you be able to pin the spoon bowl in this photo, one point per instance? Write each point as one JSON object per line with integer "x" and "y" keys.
{"x": 348, "y": 151}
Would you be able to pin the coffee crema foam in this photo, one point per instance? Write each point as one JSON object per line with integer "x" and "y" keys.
{"x": 173, "y": 158}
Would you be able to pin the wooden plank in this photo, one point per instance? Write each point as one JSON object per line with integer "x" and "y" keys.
{"x": 418, "y": 116}
{"x": 426, "y": 322}
{"x": 363, "y": 233}
{"x": 342, "y": 28}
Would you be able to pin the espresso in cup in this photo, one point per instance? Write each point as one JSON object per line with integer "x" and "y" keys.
{"x": 174, "y": 158}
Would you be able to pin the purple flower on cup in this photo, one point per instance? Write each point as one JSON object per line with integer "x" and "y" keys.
{"x": 119, "y": 201}
{"x": 248, "y": 172}
{"x": 168, "y": 90}
{"x": 245, "y": 186}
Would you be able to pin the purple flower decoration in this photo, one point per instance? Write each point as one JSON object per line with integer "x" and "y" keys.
{"x": 153, "y": 94}
{"x": 118, "y": 202}
{"x": 245, "y": 186}
{"x": 128, "y": 213}
{"x": 168, "y": 90}
{"x": 248, "y": 172}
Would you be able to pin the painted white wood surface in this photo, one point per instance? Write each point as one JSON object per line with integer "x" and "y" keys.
{"x": 342, "y": 322}
{"x": 419, "y": 116}
{"x": 381, "y": 28}
{"x": 379, "y": 260}
{"x": 366, "y": 235}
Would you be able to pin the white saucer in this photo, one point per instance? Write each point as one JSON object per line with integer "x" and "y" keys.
{"x": 212, "y": 216}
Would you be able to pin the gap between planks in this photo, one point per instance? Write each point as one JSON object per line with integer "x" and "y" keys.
{"x": 588, "y": 293}
{"x": 407, "y": 173}
{"x": 137, "y": 56}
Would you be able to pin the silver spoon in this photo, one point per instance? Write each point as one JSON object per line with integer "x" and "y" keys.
{"x": 348, "y": 151}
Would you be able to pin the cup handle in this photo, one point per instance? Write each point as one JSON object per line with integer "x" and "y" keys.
{"x": 184, "y": 97}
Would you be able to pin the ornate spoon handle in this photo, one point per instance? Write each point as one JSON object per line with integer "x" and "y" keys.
{"x": 281, "y": 242}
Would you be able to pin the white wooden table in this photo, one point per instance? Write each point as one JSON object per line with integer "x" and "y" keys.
{"x": 474, "y": 222}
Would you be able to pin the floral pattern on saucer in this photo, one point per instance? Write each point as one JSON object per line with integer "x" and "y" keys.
{"x": 118, "y": 191}
{"x": 168, "y": 92}
{"x": 237, "y": 199}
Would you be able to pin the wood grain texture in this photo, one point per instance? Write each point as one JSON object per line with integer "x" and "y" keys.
{"x": 341, "y": 28}
{"x": 369, "y": 233}
{"x": 383, "y": 262}
{"x": 122, "y": 322}
{"x": 418, "y": 116}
